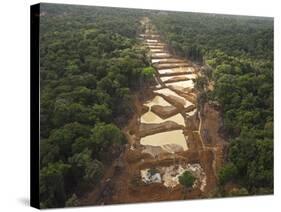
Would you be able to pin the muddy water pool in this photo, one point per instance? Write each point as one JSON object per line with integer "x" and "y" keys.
{"x": 168, "y": 92}
{"x": 151, "y": 118}
{"x": 164, "y": 79}
{"x": 165, "y": 138}
{"x": 183, "y": 84}
{"x": 176, "y": 70}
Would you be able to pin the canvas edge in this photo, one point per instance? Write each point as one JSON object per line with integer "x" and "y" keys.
{"x": 34, "y": 108}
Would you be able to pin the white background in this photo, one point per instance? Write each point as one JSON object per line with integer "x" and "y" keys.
{"x": 14, "y": 103}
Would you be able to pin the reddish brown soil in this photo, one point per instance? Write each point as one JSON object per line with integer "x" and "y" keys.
{"x": 211, "y": 124}
{"x": 118, "y": 185}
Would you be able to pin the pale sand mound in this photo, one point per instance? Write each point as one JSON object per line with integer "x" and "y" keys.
{"x": 150, "y": 129}
{"x": 171, "y": 65}
{"x": 164, "y": 111}
{"x": 161, "y": 139}
{"x": 157, "y": 100}
{"x": 166, "y": 78}
{"x": 156, "y": 151}
{"x": 160, "y": 55}
{"x": 173, "y": 98}
{"x": 181, "y": 70}
{"x": 183, "y": 84}
{"x": 151, "y": 41}
{"x": 157, "y": 50}
{"x": 151, "y": 118}
{"x": 153, "y": 150}
{"x": 172, "y": 148}
{"x": 171, "y": 60}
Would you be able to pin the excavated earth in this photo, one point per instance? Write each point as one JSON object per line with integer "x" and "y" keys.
{"x": 166, "y": 136}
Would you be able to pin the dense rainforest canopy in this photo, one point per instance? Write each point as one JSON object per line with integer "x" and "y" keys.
{"x": 237, "y": 54}
{"x": 91, "y": 63}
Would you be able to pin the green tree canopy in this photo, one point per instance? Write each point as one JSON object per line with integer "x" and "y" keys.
{"x": 187, "y": 179}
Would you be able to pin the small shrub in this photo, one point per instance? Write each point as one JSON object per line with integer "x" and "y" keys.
{"x": 187, "y": 179}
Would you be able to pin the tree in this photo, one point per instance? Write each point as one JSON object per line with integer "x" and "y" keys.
{"x": 85, "y": 168}
{"x": 201, "y": 100}
{"x": 72, "y": 67}
{"x": 201, "y": 83}
{"x": 227, "y": 173}
{"x": 93, "y": 172}
{"x": 148, "y": 73}
{"x": 64, "y": 137}
{"x": 187, "y": 179}
{"x": 101, "y": 113}
{"x": 259, "y": 170}
{"x": 239, "y": 192}
{"x": 207, "y": 71}
{"x": 104, "y": 136}
{"x": 49, "y": 152}
{"x": 72, "y": 201}
{"x": 52, "y": 187}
